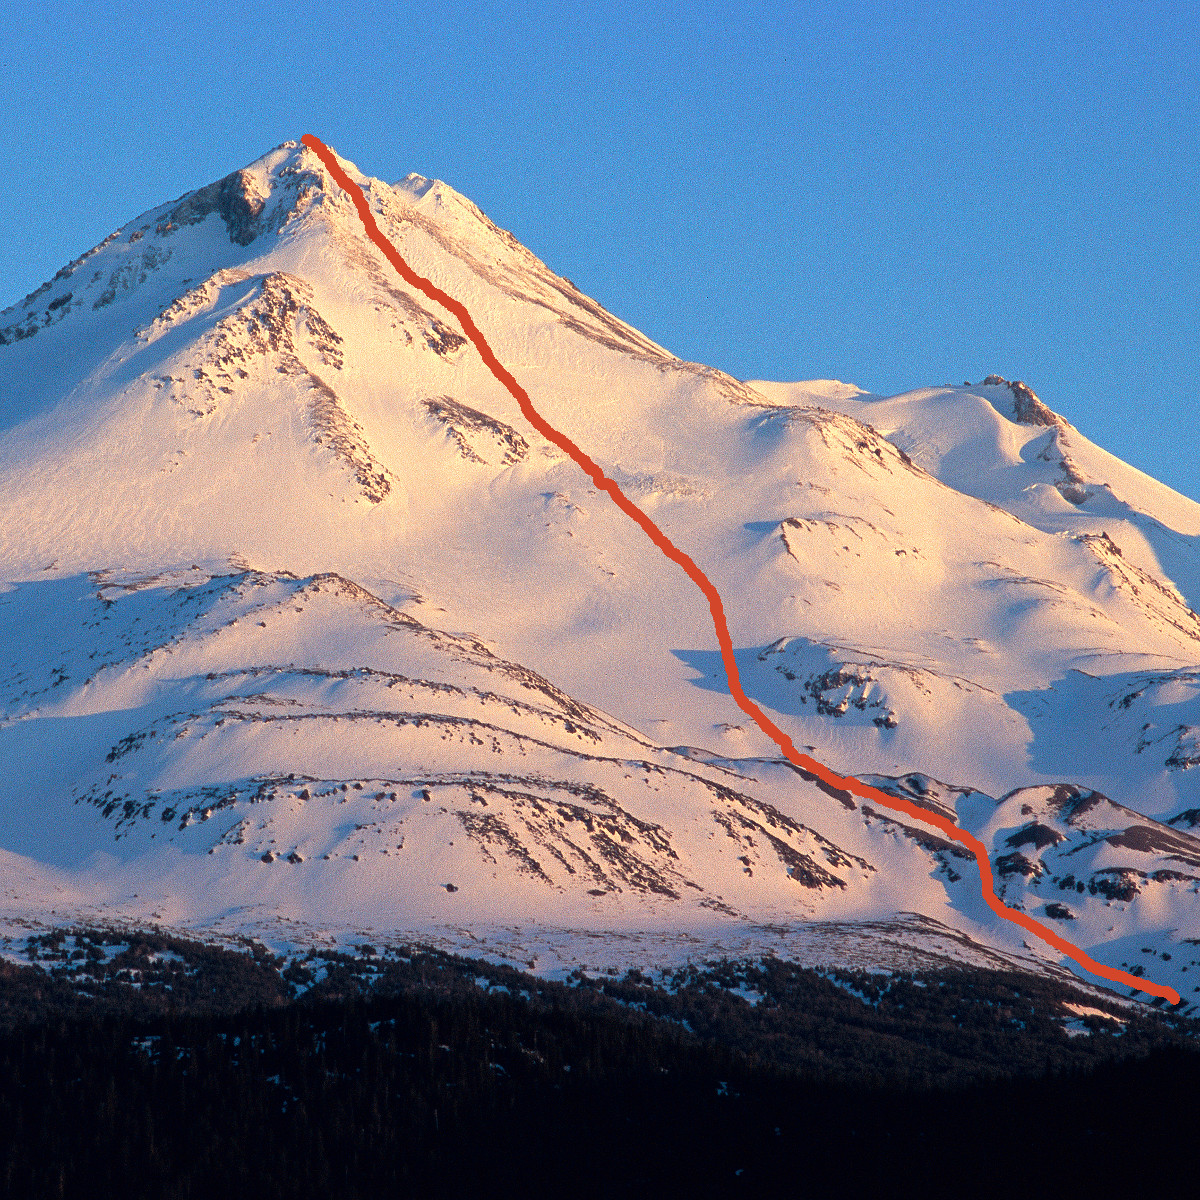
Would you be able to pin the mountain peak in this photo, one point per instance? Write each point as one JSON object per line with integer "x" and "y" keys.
{"x": 416, "y": 185}
{"x": 923, "y": 587}
{"x": 437, "y": 199}
{"x": 260, "y": 197}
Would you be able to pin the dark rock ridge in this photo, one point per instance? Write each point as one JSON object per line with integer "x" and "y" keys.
{"x": 473, "y": 431}
{"x": 1027, "y": 408}
{"x": 233, "y": 199}
{"x": 1067, "y": 840}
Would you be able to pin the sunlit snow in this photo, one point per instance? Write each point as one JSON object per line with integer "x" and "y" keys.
{"x": 304, "y": 630}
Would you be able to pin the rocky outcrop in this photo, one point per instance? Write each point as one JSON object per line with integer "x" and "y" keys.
{"x": 1027, "y": 408}
{"x": 234, "y": 199}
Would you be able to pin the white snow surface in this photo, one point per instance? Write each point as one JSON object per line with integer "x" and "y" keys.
{"x": 305, "y": 632}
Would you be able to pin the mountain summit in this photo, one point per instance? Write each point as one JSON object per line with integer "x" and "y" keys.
{"x": 307, "y": 631}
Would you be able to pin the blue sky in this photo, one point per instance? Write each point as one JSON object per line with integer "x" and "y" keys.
{"x": 890, "y": 194}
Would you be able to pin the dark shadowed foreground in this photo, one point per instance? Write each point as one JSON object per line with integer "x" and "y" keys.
{"x": 143, "y": 1065}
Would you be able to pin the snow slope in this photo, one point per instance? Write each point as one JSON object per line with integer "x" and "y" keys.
{"x": 303, "y": 623}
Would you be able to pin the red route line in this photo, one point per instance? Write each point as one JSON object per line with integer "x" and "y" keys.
{"x": 809, "y": 765}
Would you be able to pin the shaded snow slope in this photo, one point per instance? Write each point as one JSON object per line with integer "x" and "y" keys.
{"x": 303, "y": 621}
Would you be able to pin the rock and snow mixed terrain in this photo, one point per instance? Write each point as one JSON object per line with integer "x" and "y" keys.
{"x": 305, "y": 632}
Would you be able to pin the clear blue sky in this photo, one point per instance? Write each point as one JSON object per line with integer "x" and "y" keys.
{"x": 890, "y": 194}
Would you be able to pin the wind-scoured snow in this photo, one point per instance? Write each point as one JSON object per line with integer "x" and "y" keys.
{"x": 303, "y": 627}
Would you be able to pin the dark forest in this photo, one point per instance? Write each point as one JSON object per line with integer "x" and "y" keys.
{"x": 145, "y": 1065}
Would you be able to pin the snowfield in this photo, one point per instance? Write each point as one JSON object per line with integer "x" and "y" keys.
{"x": 306, "y": 633}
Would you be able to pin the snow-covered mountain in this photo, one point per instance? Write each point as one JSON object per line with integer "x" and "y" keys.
{"x": 305, "y": 630}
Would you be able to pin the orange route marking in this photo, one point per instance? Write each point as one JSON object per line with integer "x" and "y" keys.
{"x": 809, "y": 765}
